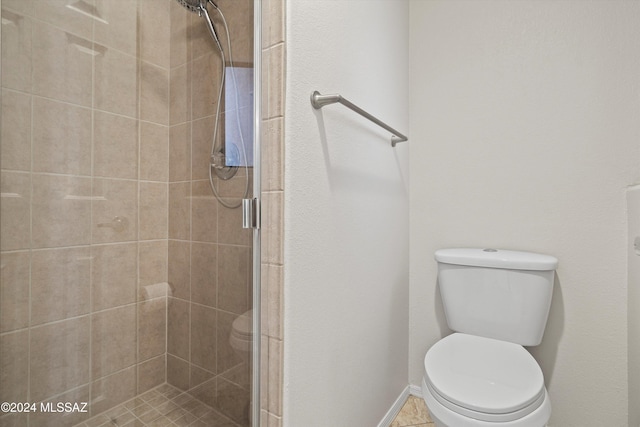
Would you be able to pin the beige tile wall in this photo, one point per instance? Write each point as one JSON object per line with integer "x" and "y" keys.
{"x": 102, "y": 134}
{"x": 210, "y": 255}
{"x": 272, "y": 145}
{"x": 85, "y": 143}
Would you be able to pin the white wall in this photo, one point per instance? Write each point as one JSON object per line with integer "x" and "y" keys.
{"x": 525, "y": 134}
{"x": 346, "y": 213}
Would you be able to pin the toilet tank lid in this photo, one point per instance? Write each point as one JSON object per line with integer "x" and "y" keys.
{"x": 497, "y": 258}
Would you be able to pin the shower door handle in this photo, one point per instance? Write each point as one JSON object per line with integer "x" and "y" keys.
{"x": 251, "y": 213}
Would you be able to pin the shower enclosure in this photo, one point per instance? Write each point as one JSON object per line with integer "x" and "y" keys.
{"x": 127, "y": 280}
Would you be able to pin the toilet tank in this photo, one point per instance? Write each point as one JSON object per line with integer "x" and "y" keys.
{"x": 498, "y": 294}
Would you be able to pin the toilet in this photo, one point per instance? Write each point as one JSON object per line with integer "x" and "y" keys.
{"x": 241, "y": 340}
{"x": 496, "y": 302}
{"x": 241, "y": 336}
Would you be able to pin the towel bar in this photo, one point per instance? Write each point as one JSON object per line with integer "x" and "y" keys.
{"x": 318, "y": 101}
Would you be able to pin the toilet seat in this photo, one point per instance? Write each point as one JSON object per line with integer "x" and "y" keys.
{"x": 484, "y": 378}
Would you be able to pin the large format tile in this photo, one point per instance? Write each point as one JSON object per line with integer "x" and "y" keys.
{"x": 154, "y": 31}
{"x": 59, "y": 357}
{"x": 116, "y": 83}
{"x": 179, "y": 210}
{"x": 179, "y": 270}
{"x": 203, "y": 337}
{"x": 152, "y": 328}
{"x": 205, "y": 84}
{"x": 115, "y": 147}
{"x": 180, "y": 45}
{"x": 110, "y": 391}
{"x": 15, "y": 150}
{"x": 14, "y": 366}
{"x": 204, "y": 213}
{"x": 113, "y": 346}
{"x": 16, "y": 49}
{"x": 72, "y": 16}
{"x": 61, "y": 138}
{"x": 115, "y": 210}
{"x": 201, "y": 42}
{"x": 61, "y": 211}
{"x": 154, "y": 93}
{"x": 203, "y": 385}
{"x": 178, "y": 328}
{"x": 14, "y": 292}
{"x": 152, "y": 269}
{"x": 60, "y": 284}
{"x": 201, "y": 140}
{"x": 62, "y": 65}
{"x": 114, "y": 275}
{"x": 239, "y": 186}
{"x": 177, "y": 372}
{"x": 154, "y": 152}
{"x": 234, "y": 278}
{"x": 153, "y": 211}
{"x": 241, "y": 14}
{"x": 230, "y": 229}
{"x": 15, "y": 211}
{"x": 204, "y": 273}
{"x": 117, "y": 25}
{"x": 180, "y": 94}
{"x": 180, "y": 152}
{"x": 151, "y": 373}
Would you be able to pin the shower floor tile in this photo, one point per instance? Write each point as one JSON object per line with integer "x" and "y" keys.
{"x": 167, "y": 406}
{"x": 163, "y": 406}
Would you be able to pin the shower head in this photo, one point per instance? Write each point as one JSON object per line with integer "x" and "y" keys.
{"x": 195, "y": 6}
{"x": 200, "y": 7}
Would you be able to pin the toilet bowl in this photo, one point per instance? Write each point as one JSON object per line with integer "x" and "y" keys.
{"x": 241, "y": 340}
{"x": 496, "y": 302}
{"x": 241, "y": 336}
{"x": 474, "y": 381}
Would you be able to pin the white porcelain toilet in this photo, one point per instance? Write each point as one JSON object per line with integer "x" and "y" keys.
{"x": 241, "y": 336}
{"x": 241, "y": 340}
{"x": 496, "y": 301}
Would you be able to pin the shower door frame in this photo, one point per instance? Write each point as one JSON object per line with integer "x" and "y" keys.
{"x": 257, "y": 167}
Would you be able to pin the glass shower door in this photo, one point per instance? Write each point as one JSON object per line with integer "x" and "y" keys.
{"x": 126, "y": 280}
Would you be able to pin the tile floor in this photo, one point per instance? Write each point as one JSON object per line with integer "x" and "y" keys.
{"x": 167, "y": 406}
{"x": 414, "y": 413}
{"x": 163, "y": 406}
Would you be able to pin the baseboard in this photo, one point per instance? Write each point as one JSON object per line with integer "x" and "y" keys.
{"x": 415, "y": 390}
{"x": 395, "y": 408}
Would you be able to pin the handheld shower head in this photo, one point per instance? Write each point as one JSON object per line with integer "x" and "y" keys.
{"x": 222, "y": 163}
{"x": 200, "y": 7}
{"x": 192, "y": 5}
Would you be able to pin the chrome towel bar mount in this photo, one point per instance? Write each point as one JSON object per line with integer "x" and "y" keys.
{"x": 318, "y": 101}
